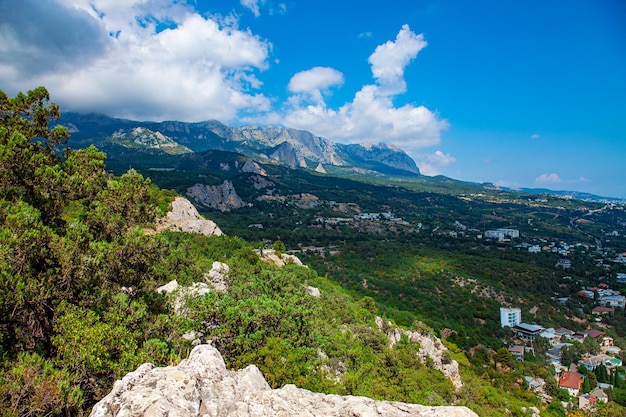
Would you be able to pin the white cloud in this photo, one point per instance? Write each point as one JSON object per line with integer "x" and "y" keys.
{"x": 158, "y": 60}
{"x": 434, "y": 164}
{"x": 548, "y": 179}
{"x": 315, "y": 82}
{"x": 140, "y": 59}
{"x": 372, "y": 115}
{"x": 271, "y": 8}
{"x": 253, "y": 5}
{"x": 391, "y": 58}
{"x": 553, "y": 179}
{"x": 535, "y": 136}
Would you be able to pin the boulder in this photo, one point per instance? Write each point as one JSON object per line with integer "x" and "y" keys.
{"x": 202, "y": 386}
{"x": 184, "y": 217}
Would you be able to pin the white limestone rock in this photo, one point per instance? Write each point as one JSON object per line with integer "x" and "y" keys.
{"x": 279, "y": 259}
{"x": 178, "y": 294}
{"x": 184, "y": 217}
{"x": 430, "y": 347}
{"x": 217, "y": 276}
{"x": 202, "y": 386}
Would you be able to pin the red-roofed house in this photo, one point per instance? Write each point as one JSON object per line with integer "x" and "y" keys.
{"x": 571, "y": 381}
{"x": 596, "y": 334}
{"x": 600, "y": 310}
{"x": 517, "y": 352}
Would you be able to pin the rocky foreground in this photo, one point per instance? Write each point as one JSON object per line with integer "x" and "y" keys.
{"x": 202, "y": 386}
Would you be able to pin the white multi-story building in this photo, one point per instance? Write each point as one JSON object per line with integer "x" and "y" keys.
{"x": 502, "y": 234}
{"x": 510, "y": 317}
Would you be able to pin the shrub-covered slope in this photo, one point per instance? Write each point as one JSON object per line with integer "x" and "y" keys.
{"x": 79, "y": 269}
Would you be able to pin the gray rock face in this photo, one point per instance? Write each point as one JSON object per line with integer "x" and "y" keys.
{"x": 202, "y": 386}
{"x": 381, "y": 153}
{"x": 183, "y": 217}
{"x": 222, "y": 197}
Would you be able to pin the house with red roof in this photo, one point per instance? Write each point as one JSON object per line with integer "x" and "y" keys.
{"x": 601, "y": 311}
{"x": 596, "y": 334}
{"x": 571, "y": 381}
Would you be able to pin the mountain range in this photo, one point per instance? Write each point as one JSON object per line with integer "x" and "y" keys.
{"x": 267, "y": 144}
{"x": 296, "y": 148}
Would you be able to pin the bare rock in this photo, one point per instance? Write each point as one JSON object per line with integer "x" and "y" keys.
{"x": 178, "y": 294}
{"x": 184, "y": 217}
{"x": 313, "y": 292}
{"x": 202, "y": 386}
{"x": 222, "y": 197}
{"x": 217, "y": 276}
{"x": 430, "y": 347}
{"x": 280, "y": 259}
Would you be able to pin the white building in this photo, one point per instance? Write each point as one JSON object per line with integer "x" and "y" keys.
{"x": 501, "y": 234}
{"x": 510, "y": 317}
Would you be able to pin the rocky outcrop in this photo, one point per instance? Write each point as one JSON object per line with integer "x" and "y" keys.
{"x": 279, "y": 259}
{"x": 252, "y": 167}
{"x": 222, "y": 197}
{"x": 183, "y": 217}
{"x": 202, "y": 386}
{"x": 217, "y": 276}
{"x": 141, "y": 137}
{"x": 430, "y": 347}
{"x": 179, "y": 294}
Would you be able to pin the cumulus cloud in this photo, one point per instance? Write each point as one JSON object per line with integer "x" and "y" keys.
{"x": 548, "y": 179}
{"x": 391, "y": 58}
{"x": 372, "y": 115}
{"x": 140, "y": 59}
{"x": 159, "y": 60}
{"x": 434, "y": 164}
{"x": 315, "y": 81}
{"x": 34, "y": 49}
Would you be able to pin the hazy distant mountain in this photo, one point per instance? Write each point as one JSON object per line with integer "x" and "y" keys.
{"x": 294, "y": 147}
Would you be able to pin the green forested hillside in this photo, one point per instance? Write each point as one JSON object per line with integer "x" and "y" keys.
{"x": 80, "y": 263}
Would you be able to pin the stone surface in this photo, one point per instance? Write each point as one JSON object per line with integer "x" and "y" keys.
{"x": 430, "y": 347}
{"x": 222, "y": 197}
{"x": 202, "y": 386}
{"x": 217, "y": 276}
{"x": 184, "y": 217}
{"x": 178, "y": 294}
{"x": 279, "y": 259}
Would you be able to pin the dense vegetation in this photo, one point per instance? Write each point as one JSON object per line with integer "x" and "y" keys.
{"x": 79, "y": 266}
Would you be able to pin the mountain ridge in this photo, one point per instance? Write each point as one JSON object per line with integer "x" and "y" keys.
{"x": 272, "y": 144}
{"x": 298, "y": 148}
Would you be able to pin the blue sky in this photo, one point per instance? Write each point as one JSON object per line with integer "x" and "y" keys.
{"x": 518, "y": 93}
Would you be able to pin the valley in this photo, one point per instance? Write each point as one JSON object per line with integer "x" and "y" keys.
{"x": 430, "y": 251}
{"x": 397, "y": 293}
